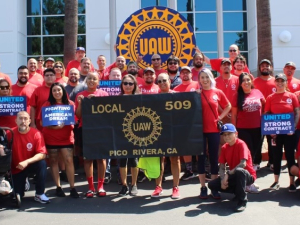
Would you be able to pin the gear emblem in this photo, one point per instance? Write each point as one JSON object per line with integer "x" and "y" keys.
{"x": 156, "y": 30}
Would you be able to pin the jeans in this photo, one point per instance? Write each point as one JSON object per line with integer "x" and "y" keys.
{"x": 39, "y": 169}
{"x": 237, "y": 183}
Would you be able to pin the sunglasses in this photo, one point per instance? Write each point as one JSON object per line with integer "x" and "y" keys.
{"x": 232, "y": 50}
{"x": 172, "y": 63}
{"x": 128, "y": 83}
{"x": 58, "y": 66}
{"x": 162, "y": 81}
{"x": 156, "y": 59}
{"x": 40, "y": 60}
{"x": 49, "y": 75}
{"x": 4, "y": 87}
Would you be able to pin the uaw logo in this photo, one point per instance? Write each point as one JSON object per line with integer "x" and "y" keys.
{"x": 156, "y": 30}
{"x": 142, "y": 126}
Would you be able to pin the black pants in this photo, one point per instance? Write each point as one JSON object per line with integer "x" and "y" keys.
{"x": 40, "y": 169}
{"x": 258, "y": 156}
{"x": 129, "y": 162}
{"x": 290, "y": 143}
{"x": 253, "y": 138}
{"x": 237, "y": 183}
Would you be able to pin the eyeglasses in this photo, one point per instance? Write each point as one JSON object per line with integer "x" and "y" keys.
{"x": 4, "y": 87}
{"x": 128, "y": 83}
{"x": 172, "y": 63}
{"x": 232, "y": 50}
{"x": 49, "y": 75}
{"x": 58, "y": 67}
{"x": 162, "y": 81}
{"x": 40, "y": 60}
{"x": 156, "y": 59}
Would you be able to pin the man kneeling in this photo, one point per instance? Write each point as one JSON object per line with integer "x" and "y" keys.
{"x": 241, "y": 174}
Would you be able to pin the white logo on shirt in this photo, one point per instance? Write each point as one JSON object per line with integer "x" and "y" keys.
{"x": 295, "y": 86}
{"x": 192, "y": 89}
{"x": 29, "y": 147}
{"x": 289, "y": 100}
{"x": 233, "y": 86}
{"x": 215, "y": 98}
{"x": 274, "y": 89}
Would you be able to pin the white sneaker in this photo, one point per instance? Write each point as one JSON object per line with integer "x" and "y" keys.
{"x": 41, "y": 198}
{"x": 27, "y": 184}
{"x": 252, "y": 189}
{"x": 256, "y": 167}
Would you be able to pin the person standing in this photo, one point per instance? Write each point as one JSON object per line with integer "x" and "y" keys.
{"x": 173, "y": 71}
{"x": 59, "y": 69}
{"x": 101, "y": 62}
{"x": 198, "y": 65}
{"x": 40, "y": 65}
{"x": 149, "y": 87}
{"x": 34, "y": 77}
{"x": 293, "y": 83}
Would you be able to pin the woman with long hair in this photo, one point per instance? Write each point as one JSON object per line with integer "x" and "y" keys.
{"x": 283, "y": 101}
{"x": 211, "y": 99}
{"x": 128, "y": 86}
{"x": 60, "y": 141}
{"x": 59, "y": 69}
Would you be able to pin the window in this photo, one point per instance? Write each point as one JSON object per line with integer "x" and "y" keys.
{"x": 147, "y": 3}
{"x": 45, "y": 28}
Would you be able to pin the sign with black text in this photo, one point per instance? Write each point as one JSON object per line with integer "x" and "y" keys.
{"x": 142, "y": 125}
{"x": 277, "y": 124}
{"x": 11, "y": 105}
{"x": 58, "y": 114}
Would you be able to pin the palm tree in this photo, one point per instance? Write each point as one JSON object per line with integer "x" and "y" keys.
{"x": 70, "y": 30}
{"x": 264, "y": 32}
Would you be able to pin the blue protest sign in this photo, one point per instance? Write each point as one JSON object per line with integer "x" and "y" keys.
{"x": 112, "y": 87}
{"x": 277, "y": 124}
{"x": 57, "y": 114}
{"x": 11, "y": 105}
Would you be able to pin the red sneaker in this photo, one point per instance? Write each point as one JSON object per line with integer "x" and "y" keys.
{"x": 175, "y": 193}
{"x": 157, "y": 192}
{"x": 101, "y": 192}
{"x": 90, "y": 194}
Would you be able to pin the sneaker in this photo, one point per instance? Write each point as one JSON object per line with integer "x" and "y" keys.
{"x": 297, "y": 182}
{"x": 207, "y": 176}
{"x": 41, "y": 198}
{"x": 256, "y": 185}
{"x": 271, "y": 167}
{"x": 241, "y": 206}
{"x": 60, "y": 192}
{"x": 157, "y": 192}
{"x": 134, "y": 190}
{"x": 27, "y": 184}
{"x": 175, "y": 193}
{"x": 124, "y": 191}
{"x": 252, "y": 189}
{"x": 256, "y": 167}
{"x": 107, "y": 179}
{"x": 89, "y": 194}
{"x": 73, "y": 193}
{"x": 203, "y": 193}
{"x": 215, "y": 194}
{"x": 187, "y": 175}
{"x": 141, "y": 177}
{"x": 101, "y": 192}
{"x": 292, "y": 188}
{"x": 275, "y": 186}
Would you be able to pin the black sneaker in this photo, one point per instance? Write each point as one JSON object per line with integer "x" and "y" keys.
{"x": 107, "y": 179}
{"x": 73, "y": 193}
{"x": 292, "y": 188}
{"x": 275, "y": 186}
{"x": 297, "y": 182}
{"x": 60, "y": 192}
{"x": 241, "y": 206}
{"x": 124, "y": 191}
{"x": 187, "y": 175}
{"x": 141, "y": 177}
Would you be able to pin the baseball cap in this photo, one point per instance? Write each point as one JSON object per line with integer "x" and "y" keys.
{"x": 290, "y": 64}
{"x": 265, "y": 61}
{"x": 228, "y": 127}
{"x": 149, "y": 69}
{"x": 80, "y": 49}
{"x": 50, "y": 59}
{"x": 131, "y": 62}
{"x": 280, "y": 76}
{"x": 226, "y": 60}
{"x": 186, "y": 68}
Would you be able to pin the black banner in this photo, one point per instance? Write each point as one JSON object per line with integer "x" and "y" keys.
{"x": 142, "y": 125}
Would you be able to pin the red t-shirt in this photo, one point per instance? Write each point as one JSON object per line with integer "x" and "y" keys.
{"x": 98, "y": 93}
{"x": 250, "y": 116}
{"x": 36, "y": 79}
{"x": 228, "y": 86}
{"x": 63, "y": 136}
{"x": 157, "y": 72}
{"x": 6, "y": 77}
{"x": 25, "y": 146}
{"x": 297, "y": 93}
{"x": 216, "y": 64}
{"x": 215, "y": 97}
{"x": 101, "y": 74}
{"x": 149, "y": 89}
{"x": 238, "y": 75}
{"x": 266, "y": 87}
{"x": 27, "y": 91}
{"x": 195, "y": 74}
{"x": 293, "y": 84}
{"x": 61, "y": 81}
{"x": 8, "y": 121}
{"x": 193, "y": 86}
{"x": 40, "y": 71}
{"x": 281, "y": 103}
{"x": 108, "y": 69}
{"x": 38, "y": 98}
{"x": 232, "y": 155}
{"x": 75, "y": 64}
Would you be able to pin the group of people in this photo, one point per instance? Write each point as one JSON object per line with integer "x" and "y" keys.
{"x": 234, "y": 98}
